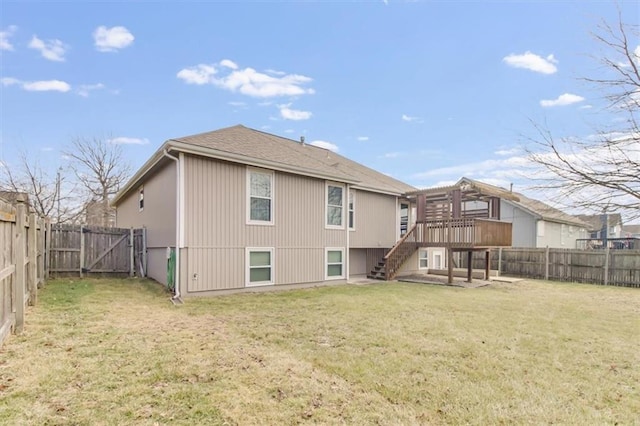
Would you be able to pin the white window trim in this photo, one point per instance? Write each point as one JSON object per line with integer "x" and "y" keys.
{"x": 426, "y": 252}
{"x": 247, "y": 280}
{"x": 352, "y": 194}
{"x": 326, "y": 206}
{"x": 248, "y": 196}
{"x": 326, "y": 263}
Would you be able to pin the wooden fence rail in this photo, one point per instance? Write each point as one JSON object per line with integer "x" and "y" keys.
{"x": 22, "y": 264}
{"x": 604, "y": 267}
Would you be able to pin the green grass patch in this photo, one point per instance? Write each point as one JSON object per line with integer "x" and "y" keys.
{"x": 117, "y": 352}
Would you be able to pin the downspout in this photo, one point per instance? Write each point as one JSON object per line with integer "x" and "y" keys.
{"x": 176, "y": 296}
{"x": 346, "y": 254}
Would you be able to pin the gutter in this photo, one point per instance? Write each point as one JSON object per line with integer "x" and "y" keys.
{"x": 176, "y": 296}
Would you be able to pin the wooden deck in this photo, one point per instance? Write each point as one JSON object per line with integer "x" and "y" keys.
{"x": 463, "y": 234}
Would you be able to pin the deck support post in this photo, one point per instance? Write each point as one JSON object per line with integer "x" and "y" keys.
{"x": 469, "y": 266}
{"x": 450, "y": 264}
{"x": 487, "y": 263}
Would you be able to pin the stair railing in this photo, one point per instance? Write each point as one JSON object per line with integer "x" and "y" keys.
{"x": 404, "y": 248}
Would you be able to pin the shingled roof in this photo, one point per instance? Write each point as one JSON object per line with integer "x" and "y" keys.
{"x": 244, "y": 145}
{"x": 257, "y": 145}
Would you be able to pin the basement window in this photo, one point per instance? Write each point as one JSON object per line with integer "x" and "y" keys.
{"x": 335, "y": 263}
{"x": 259, "y": 267}
{"x": 423, "y": 259}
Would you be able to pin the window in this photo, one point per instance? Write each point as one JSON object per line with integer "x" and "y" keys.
{"x": 423, "y": 259}
{"x": 335, "y": 263}
{"x": 334, "y": 205}
{"x": 352, "y": 208}
{"x": 260, "y": 194}
{"x": 141, "y": 199}
{"x": 259, "y": 266}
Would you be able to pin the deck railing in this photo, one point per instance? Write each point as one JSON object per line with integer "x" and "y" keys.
{"x": 463, "y": 233}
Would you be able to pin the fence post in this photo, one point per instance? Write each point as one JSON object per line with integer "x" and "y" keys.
{"x": 33, "y": 260}
{"x": 132, "y": 266}
{"x": 19, "y": 258}
{"x": 499, "y": 261}
{"x": 40, "y": 269}
{"x": 144, "y": 251}
{"x": 47, "y": 248}
{"x": 606, "y": 265}
{"x": 546, "y": 264}
{"x": 81, "y": 250}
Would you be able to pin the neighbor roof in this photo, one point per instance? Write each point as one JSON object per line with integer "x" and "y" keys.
{"x": 244, "y": 145}
{"x": 544, "y": 211}
{"x": 596, "y": 221}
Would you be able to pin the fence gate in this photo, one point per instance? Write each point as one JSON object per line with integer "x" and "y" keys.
{"x": 77, "y": 249}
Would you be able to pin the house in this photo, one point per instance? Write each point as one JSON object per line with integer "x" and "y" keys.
{"x": 535, "y": 224}
{"x": 251, "y": 209}
{"x": 603, "y": 226}
{"x": 631, "y": 231}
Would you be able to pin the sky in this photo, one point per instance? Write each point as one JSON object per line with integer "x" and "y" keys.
{"x": 424, "y": 91}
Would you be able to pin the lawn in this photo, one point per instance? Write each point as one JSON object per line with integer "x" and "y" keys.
{"x": 118, "y": 352}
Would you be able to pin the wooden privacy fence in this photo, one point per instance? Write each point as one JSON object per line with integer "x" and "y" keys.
{"x": 605, "y": 267}
{"x": 81, "y": 250}
{"x": 22, "y": 264}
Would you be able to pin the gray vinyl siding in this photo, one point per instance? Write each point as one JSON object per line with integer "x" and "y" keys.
{"x": 523, "y": 225}
{"x": 158, "y": 216}
{"x": 375, "y": 220}
{"x": 216, "y": 232}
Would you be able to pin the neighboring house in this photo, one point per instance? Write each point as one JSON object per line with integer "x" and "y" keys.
{"x": 631, "y": 231}
{"x": 249, "y": 209}
{"x": 535, "y": 224}
{"x": 597, "y": 225}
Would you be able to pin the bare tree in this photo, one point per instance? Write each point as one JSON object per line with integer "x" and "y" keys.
{"x": 101, "y": 170}
{"x": 602, "y": 172}
{"x": 49, "y": 196}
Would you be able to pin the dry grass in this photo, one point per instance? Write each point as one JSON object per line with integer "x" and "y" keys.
{"x": 117, "y": 352}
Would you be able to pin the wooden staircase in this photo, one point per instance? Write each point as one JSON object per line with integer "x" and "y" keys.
{"x": 378, "y": 272}
{"x": 388, "y": 267}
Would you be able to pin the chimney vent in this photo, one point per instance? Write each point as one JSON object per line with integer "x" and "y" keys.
{"x": 302, "y": 140}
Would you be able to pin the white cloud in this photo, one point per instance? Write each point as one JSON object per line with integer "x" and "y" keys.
{"x": 410, "y": 119}
{"x": 227, "y": 63}
{"x": 112, "y": 39}
{"x": 586, "y": 107}
{"x": 293, "y": 114}
{"x": 275, "y": 72}
{"x": 391, "y": 155}
{"x": 562, "y": 100}
{"x": 237, "y": 103}
{"x": 84, "y": 89}
{"x": 125, "y": 140}
{"x": 637, "y": 54}
{"x": 325, "y": 145}
{"x": 247, "y": 81}
{"x": 37, "y": 86}
{"x": 289, "y": 131}
{"x": 363, "y": 138}
{"x": 507, "y": 151}
{"x": 532, "y": 62}
{"x": 5, "y": 35}
{"x": 9, "y": 81}
{"x": 53, "y": 50}
{"x": 200, "y": 74}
